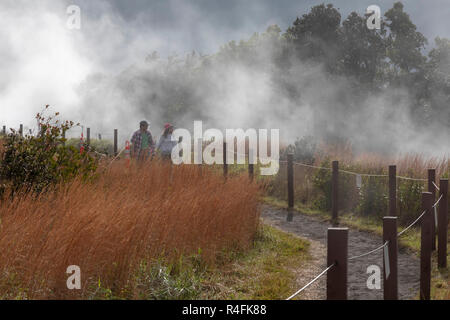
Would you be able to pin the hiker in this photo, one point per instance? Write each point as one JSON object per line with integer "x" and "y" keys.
{"x": 142, "y": 144}
{"x": 165, "y": 143}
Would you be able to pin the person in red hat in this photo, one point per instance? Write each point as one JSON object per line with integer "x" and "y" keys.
{"x": 165, "y": 143}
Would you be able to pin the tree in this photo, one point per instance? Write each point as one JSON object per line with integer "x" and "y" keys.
{"x": 363, "y": 50}
{"x": 316, "y": 35}
{"x": 405, "y": 44}
{"x": 438, "y": 75}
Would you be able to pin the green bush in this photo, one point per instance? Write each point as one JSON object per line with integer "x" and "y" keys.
{"x": 304, "y": 150}
{"x": 373, "y": 198}
{"x": 322, "y": 182}
{"x": 33, "y": 163}
{"x": 346, "y": 186}
{"x": 409, "y": 200}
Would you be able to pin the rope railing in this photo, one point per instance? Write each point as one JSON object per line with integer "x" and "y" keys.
{"x": 412, "y": 179}
{"x": 311, "y": 282}
{"x": 351, "y": 172}
{"x": 345, "y": 171}
{"x": 437, "y": 202}
{"x": 310, "y": 166}
{"x": 116, "y": 157}
{"x": 364, "y": 174}
{"x": 370, "y": 252}
{"x": 418, "y": 219}
{"x": 434, "y": 184}
{"x": 415, "y": 221}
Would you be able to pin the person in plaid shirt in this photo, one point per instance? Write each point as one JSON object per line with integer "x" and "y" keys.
{"x": 142, "y": 144}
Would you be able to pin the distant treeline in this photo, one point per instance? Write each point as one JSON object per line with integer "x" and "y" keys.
{"x": 333, "y": 64}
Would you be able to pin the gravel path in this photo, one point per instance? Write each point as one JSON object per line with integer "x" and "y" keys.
{"x": 359, "y": 242}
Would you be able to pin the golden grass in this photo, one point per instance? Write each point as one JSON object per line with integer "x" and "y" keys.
{"x": 108, "y": 226}
{"x": 413, "y": 165}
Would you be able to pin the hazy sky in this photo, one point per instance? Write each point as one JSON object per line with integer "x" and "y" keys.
{"x": 43, "y": 62}
{"x": 206, "y": 24}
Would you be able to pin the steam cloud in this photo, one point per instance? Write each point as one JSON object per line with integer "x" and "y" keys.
{"x": 99, "y": 77}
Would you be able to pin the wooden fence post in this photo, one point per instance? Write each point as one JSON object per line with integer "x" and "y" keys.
{"x": 443, "y": 224}
{"x": 225, "y": 164}
{"x": 432, "y": 189}
{"x": 290, "y": 185}
{"x": 99, "y": 136}
{"x": 88, "y": 136}
{"x": 393, "y": 191}
{"x": 337, "y": 253}
{"x": 290, "y": 177}
{"x": 391, "y": 281}
{"x": 4, "y": 130}
{"x": 425, "y": 246}
{"x": 251, "y": 165}
{"x": 335, "y": 193}
{"x": 21, "y": 130}
{"x": 116, "y": 150}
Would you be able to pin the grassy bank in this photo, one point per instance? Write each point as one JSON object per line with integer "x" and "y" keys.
{"x": 266, "y": 270}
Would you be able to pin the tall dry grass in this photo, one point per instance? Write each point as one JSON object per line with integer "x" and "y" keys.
{"x": 109, "y": 225}
{"x": 413, "y": 165}
{"x": 312, "y": 186}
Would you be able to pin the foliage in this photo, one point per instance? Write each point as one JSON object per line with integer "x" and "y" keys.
{"x": 322, "y": 181}
{"x": 304, "y": 150}
{"x": 409, "y": 200}
{"x": 159, "y": 280}
{"x": 373, "y": 197}
{"x": 109, "y": 225}
{"x": 33, "y": 163}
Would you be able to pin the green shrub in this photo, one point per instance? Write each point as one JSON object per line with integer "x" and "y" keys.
{"x": 304, "y": 150}
{"x": 409, "y": 200}
{"x": 33, "y": 163}
{"x": 322, "y": 182}
{"x": 373, "y": 198}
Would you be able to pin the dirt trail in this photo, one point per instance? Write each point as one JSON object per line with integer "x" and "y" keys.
{"x": 359, "y": 242}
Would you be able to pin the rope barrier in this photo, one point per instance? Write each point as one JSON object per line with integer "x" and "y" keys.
{"x": 437, "y": 202}
{"x": 311, "y": 166}
{"x": 370, "y": 252}
{"x": 364, "y": 174}
{"x": 437, "y": 188}
{"x": 415, "y": 221}
{"x": 413, "y": 179}
{"x": 420, "y": 217}
{"x": 115, "y": 158}
{"x": 348, "y": 172}
{"x": 101, "y": 154}
{"x": 311, "y": 282}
